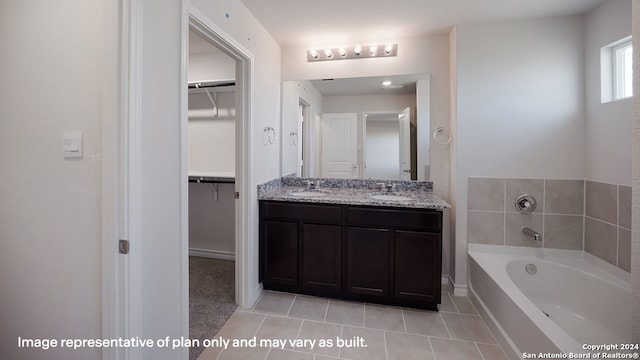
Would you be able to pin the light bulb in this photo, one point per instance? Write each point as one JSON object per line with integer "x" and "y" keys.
{"x": 373, "y": 51}
{"x": 342, "y": 52}
{"x": 314, "y": 54}
{"x": 357, "y": 50}
{"x": 328, "y": 53}
{"x": 388, "y": 49}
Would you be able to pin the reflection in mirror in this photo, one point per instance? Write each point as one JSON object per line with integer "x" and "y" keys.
{"x": 371, "y": 128}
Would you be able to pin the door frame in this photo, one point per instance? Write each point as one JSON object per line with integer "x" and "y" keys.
{"x": 122, "y": 179}
{"x": 199, "y": 23}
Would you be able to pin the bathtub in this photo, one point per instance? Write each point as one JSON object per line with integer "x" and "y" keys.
{"x": 549, "y": 300}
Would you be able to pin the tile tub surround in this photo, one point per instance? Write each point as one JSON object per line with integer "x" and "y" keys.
{"x": 353, "y": 192}
{"x": 570, "y": 214}
{"x": 456, "y": 332}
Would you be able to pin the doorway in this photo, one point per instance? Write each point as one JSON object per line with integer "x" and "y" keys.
{"x": 211, "y": 171}
{"x": 222, "y": 175}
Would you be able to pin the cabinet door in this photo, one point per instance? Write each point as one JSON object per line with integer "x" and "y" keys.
{"x": 368, "y": 261}
{"x": 321, "y": 256}
{"x": 280, "y": 240}
{"x": 417, "y": 265}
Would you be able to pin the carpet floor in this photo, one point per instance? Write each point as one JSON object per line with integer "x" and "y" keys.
{"x": 211, "y": 298}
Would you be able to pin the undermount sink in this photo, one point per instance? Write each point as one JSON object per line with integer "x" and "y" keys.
{"x": 307, "y": 193}
{"x": 391, "y": 197}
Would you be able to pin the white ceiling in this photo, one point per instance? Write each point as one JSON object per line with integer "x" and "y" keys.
{"x": 342, "y": 22}
{"x": 400, "y": 84}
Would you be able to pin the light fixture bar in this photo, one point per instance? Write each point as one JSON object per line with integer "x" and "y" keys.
{"x": 353, "y": 52}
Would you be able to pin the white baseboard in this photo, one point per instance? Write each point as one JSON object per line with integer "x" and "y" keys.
{"x": 460, "y": 290}
{"x": 456, "y": 289}
{"x": 212, "y": 254}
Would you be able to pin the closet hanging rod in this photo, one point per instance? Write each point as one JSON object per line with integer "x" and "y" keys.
{"x": 211, "y": 180}
{"x": 210, "y": 84}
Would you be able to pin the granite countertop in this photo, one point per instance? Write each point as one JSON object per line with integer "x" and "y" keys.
{"x": 349, "y": 192}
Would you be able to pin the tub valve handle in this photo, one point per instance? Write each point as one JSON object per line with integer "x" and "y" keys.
{"x": 525, "y": 204}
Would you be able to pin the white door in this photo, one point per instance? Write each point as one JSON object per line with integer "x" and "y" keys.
{"x": 339, "y": 146}
{"x": 404, "y": 120}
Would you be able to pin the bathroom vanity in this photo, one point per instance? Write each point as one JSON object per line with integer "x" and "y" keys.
{"x": 353, "y": 243}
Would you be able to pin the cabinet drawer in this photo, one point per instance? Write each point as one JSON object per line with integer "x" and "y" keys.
{"x": 420, "y": 219}
{"x": 287, "y": 210}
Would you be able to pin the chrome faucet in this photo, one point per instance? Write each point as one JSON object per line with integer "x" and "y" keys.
{"x": 387, "y": 187}
{"x": 531, "y": 233}
{"x": 309, "y": 184}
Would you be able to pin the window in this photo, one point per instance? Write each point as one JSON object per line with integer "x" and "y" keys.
{"x": 623, "y": 71}
{"x": 617, "y": 70}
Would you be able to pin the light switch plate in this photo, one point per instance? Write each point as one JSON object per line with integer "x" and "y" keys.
{"x": 72, "y": 144}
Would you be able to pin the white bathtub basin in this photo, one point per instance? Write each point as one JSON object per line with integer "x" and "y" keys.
{"x": 572, "y": 299}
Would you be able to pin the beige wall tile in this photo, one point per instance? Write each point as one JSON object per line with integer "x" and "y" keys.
{"x": 600, "y": 239}
{"x": 486, "y": 194}
{"x": 602, "y": 201}
{"x": 563, "y": 231}
{"x": 531, "y": 187}
{"x": 624, "y": 206}
{"x": 485, "y": 227}
{"x": 514, "y": 222}
{"x": 564, "y": 197}
{"x": 624, "y": 249}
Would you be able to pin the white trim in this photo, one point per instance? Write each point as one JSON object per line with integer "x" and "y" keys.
{"x": 245, "y": 267}
{"x": 460, "y": 290}
{"x": 184, "y": 170}
{"x": 113, "y": 301}
{"x": 132, "y": 177}
{"x": 213, "y": 254}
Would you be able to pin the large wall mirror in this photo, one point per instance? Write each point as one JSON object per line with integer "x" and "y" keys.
{"x": 367, "y": 128}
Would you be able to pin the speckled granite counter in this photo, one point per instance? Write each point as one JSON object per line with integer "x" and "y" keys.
{"x": 352, "y": 192}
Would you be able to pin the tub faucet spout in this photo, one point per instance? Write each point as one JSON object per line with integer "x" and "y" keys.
{"x": 532, "y": 233}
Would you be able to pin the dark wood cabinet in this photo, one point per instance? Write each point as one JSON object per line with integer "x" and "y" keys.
{"x": 368, "y": 253}
{"x": 321, "y": 257}
{"x": 376, "y": 254}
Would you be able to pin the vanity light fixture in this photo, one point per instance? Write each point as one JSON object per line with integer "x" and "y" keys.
{"x": 328, "y": 53}
{"x": 353, "y": 52}
{"x": 388, "y": 49}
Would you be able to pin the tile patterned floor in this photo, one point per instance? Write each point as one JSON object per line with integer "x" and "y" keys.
{"x": 389, "y": 333}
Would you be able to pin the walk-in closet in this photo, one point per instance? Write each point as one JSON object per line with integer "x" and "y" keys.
{"x": 211, "y": 127}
